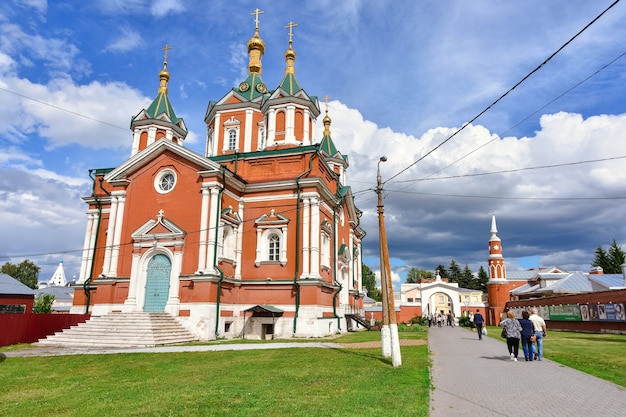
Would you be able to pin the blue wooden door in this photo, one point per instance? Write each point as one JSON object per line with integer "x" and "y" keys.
{"x": 157, "y": 283}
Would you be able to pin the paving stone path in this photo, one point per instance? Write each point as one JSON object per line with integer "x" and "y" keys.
{"x": 478, "y": 378}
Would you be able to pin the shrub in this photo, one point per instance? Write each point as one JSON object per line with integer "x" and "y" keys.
{"x": 464, "y": 321}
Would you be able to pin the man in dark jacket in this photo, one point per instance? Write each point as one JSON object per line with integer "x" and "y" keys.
{"x": 479, "y": 320}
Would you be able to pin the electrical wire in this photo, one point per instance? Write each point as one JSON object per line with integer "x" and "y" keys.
{"x": 506, "y": 93}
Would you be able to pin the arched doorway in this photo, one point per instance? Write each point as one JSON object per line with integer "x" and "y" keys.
{"x": 157, "y": 283}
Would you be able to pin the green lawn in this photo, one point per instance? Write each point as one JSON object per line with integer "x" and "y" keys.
{"x": 601, "y": 355}
{"x": 274, "y": 382}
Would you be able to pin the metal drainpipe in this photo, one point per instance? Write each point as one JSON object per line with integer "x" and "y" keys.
{"x": 298, "y": 246}
{"x": 95, "y": 245}
{"x": 335, "y": 266}
{"x": 215, "y": 265}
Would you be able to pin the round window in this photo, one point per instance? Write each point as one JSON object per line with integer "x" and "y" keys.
{"x": 165, "y": 181}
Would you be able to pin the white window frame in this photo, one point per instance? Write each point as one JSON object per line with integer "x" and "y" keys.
{"x": 231, "y": 126}
{"x": 159, "y": 178}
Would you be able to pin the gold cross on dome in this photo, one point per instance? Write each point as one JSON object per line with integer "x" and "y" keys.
{"x": 167, "y": 48}
{"x": 326, "y": 98}
{"x": 291, "y": 25}
{"x": 256, "y": 12}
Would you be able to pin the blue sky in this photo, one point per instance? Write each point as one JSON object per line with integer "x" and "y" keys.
{"x": 402, "y": 76}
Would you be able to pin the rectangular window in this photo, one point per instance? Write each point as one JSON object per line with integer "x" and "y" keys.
{"x": 274, "y": 248}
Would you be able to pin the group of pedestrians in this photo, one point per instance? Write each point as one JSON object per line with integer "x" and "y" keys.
{"x": 530, "y": 329}
{"x": 441, "y": 319}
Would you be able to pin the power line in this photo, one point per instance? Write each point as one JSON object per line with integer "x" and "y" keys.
{"x": 507, "y": 92}
{"x": 500, "y": 135}
{"x": 507, "y": 171}
{"x": 509, "y": 198}
{"x": 64, "y": 109}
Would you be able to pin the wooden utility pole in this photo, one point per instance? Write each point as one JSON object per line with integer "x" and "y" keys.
{"x": 389, "y": 331}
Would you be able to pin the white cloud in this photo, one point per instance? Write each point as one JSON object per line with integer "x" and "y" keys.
{"x": 127, "y": 40}
{"x": 162, "y": 8}
{"x": 96, "y": 115}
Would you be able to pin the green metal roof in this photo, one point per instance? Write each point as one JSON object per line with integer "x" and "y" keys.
{"x": 161, "y": 104}
{"x": 290, "y": 84}
{"x": 328, "y": 146}
{"x": 252, "y": 88}
{"x": 264, "y": 309}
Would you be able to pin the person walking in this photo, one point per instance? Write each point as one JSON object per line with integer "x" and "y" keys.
{"x": 513, "y": 329}
{"x": 478, "y": 321}
{"x": 539, "y": 326}
{"x": 528, "y": 330}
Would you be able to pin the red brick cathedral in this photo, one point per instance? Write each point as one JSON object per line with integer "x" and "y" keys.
{"x": 259, "y": 236}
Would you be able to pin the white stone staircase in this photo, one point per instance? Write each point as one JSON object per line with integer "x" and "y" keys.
{"x": 121, "y": 330}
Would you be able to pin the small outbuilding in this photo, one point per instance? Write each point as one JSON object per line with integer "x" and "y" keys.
{"x": 15, "y": 297}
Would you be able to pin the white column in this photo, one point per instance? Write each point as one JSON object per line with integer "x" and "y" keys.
{"x": 283, "y": 247}
{"x": 351, "y": 264}
{"x": 204, "y": 225}
{"x": 133, "y": 286}
{"x": 359, "y": 267}
{"x": 306, "y": 227}
{"x": 271, "y": 127}
{"x": 239, "y": 247}
{"x": 110, "y": 234}
{"x": 173, "y": 299}
{"x": 151, "y": 135}
{"x": 216, "y": 129}
{"x": 247, "y": 134}
{"x": 306, "y": 138}
{"x": 259, "y": 247}
{"x": 213, "y": 223}
{"x": 136, "y": 138}
{"x": 290, "y": 123}
{"x": 117, "y": 237}
{"x": 315, "y": 237}
{"x": 85, "y": 264}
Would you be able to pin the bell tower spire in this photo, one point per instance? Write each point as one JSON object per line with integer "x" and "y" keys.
{"x": 498, "y": 286}
{"x": 158, "y": 120}
{"x": 497, "y": 269}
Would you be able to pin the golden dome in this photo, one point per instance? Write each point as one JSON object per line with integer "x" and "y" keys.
{"x": 256, "y": 42}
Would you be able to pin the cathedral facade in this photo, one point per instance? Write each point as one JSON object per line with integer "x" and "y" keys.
{"x": 259, "y": 237}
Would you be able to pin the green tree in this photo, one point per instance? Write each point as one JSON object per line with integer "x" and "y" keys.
{"x": 415, "y": 275}
{"x": 455, "y": 274}
{"x": 443, "y": 272}
{"x": 611, "y": 261}
{"x": 481, "y": 282}
{"x": 617, "y": 257}
{"x": 25, "y": 272}
{"x": 43, "y": 304}
{"x": 369, "y": 283}
{"x": 466, "y": 279}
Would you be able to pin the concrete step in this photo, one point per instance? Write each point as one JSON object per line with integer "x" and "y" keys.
{"x": 122, "y": 330}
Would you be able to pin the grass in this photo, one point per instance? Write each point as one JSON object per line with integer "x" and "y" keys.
{"x": 276, "y": 382}
{"x": 601, "y": 355}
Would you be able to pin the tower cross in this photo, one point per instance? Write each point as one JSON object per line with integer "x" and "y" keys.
{"x": 256, "y": 12}
{"x": 166, "y": 49}
{"x": 326, "y": 98}
{"x": 291, "y": 25}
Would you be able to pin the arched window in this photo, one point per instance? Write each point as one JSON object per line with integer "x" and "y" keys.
{"x": 273, "y": 248}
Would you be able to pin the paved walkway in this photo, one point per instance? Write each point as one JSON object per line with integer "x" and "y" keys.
{"x": 478, "y": 378}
